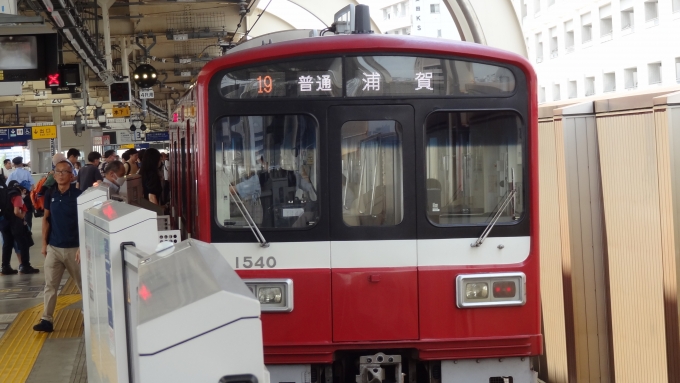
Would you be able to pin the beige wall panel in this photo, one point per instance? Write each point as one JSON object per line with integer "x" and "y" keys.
{"x": 551, "y": 259}
{"x": 588, "y": 282}
{"x": 631, "y": 205}
{"x": 666, "y": 147}
{"x": 583, "y": 372}
{"x": 597, "y": 224}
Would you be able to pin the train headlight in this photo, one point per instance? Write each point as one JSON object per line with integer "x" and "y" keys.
{"x": 476, "y": 290}
{"x": 274, "y": 294}
{"x": 507, "y": 289}
{"x": 268, "y": 295}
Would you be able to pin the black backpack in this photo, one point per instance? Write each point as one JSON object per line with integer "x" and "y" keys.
{"x": 6, "y": 207}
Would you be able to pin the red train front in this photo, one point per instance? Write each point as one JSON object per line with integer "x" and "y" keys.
{"x": 379, "y": 194}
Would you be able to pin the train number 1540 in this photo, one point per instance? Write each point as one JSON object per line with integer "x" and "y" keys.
{"x": 255, "y": 262}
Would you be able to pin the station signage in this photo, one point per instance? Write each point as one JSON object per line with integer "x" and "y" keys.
{"x": 121, "y": 112}
{"x": 128, "y": 137}
{"x": 15, "y": 135}
{"x": 157, "y": 136}
{"x": 44, "y": 132}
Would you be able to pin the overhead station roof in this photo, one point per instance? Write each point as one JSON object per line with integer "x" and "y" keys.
{"x": 181, "y": 36}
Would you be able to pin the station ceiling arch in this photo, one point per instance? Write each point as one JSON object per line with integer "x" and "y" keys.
{"x": 184, "y": 35}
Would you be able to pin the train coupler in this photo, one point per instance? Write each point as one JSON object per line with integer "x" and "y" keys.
{"x": 380, "y": 368}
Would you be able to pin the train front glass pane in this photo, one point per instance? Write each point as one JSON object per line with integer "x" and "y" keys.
{"x": 474, "y": 141}
{"x": 372, "y": 173}
{"x": 473, "y": 164}
{"x": 271, "y": 163}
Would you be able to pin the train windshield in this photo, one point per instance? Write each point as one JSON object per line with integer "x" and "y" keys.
{"x": 473, "y": 165}
{"x": 270, "y": 163}
{"x": 372, "y": 173}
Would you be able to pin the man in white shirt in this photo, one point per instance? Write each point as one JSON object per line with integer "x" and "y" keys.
{"x": 20, "y": 174}
{"x": 6, "y": 169}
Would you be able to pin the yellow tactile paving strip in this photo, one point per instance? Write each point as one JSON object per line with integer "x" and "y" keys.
{"x": 68, "y": 323}
{"x": 20, "y": 346}
{"x": 69, "y": 288}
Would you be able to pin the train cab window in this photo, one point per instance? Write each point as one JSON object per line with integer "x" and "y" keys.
{"x": 271, "y": 164}
{"x": 372, "y": 173}
{"x": 474, "y": 167}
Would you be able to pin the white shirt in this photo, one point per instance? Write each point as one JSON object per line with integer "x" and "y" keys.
{"x": 6, "y": 172}
{"x": 166, "y": 170}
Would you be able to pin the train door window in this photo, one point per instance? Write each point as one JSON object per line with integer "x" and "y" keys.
{"x": 267, "y": 167}
{"x": 372, "y": 186}
{"x": 474, "y": 167}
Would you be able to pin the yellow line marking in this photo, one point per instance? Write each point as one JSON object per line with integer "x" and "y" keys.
{"x": 68, "y": 323}
{"x": 70, "y": 287}
{"x": 20, "y": 346}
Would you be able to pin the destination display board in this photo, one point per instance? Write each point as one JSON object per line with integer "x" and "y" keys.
{"x": 370, "y": 76}
{"x": 308, "y": 78}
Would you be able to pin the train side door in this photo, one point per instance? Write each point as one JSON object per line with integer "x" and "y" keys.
{"x": 373, "y": 229}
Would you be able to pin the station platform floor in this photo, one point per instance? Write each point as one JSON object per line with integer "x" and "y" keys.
{"x": 38, "y": 357}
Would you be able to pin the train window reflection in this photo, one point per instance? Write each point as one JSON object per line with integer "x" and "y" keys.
{"x": 473, "y": 163}
{"x": 372, "y": 173}
{"x": 271, "y": 163}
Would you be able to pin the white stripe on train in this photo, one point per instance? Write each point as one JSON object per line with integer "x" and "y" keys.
{"x": 373, "y": 254}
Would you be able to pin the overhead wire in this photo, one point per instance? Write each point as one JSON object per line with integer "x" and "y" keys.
{"x": 238, "y": 26}
{"x": 256, "y": 20}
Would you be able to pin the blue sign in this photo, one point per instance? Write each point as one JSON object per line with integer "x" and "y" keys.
{"x": 17, "y": 134}
{"x": 142, "y": 146}
{"x": 157, "y": 136}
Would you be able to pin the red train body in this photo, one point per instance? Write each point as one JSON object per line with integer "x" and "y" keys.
{"x": 396, "y": 275}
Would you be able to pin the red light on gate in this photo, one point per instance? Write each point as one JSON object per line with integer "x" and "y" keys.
{"x": 53, "y": 79}
{"x": 109, "y": 212}
{"x": 175, "y": 118}
{"x": 144, "y": 293}
{"x": 505, "y": 289}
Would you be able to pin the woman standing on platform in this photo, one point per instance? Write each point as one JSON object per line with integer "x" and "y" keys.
{"x": 151, "y": 176}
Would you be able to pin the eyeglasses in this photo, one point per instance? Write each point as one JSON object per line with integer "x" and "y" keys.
{"x": 62, "y": 172}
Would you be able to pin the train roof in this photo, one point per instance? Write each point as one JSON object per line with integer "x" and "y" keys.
{"x": 358, "y": 43}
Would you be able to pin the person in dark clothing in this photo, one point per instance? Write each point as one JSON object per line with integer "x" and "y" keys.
{"x": 25, "y": 188}
{"x": 15, "y": 230}
{"x": 61, "y": 246}
{"x": 88, "y": 175}
{"x": 109, "y": 156}
{"x": 151, "y": 178}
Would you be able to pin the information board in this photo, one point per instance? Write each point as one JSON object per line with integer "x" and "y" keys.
{"x": 370, "y": 76}
{"x": 15, "y": 134}
{"x": 157, "y": 136}
{"x": 44, "y": 132}
{"x": 121, "y": 112}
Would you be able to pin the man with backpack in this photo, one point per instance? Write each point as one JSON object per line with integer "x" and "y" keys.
{"x": 15, "y": 230}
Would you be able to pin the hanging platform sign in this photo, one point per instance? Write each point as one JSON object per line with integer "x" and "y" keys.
{"x": 121, "y": 112}
{"x": 44, "y": 132}
{"x": 157, "y": 136}
{"x": 17, "y": 135}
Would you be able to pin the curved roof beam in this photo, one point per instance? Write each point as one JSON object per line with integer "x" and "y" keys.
{"x": 492, "y": 23}
{"x": 270, "y": 22}
{"x": 292, "y": 14}
{"x": 326, "y": 9}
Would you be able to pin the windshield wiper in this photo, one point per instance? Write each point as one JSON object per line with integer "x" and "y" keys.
{"x": 249, "y": 220}
{"x": 495, "y": 218}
